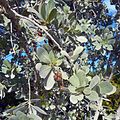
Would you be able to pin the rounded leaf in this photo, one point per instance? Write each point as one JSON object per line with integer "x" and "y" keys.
{"x": 38, "y": 66}
{"x": 82, "y": 39}
{"x": 105, "y": 87}
{"x": 71, "y": 89}
{"x": 44, "y": 71}
{"x": 74, "y": 80}
{"x": 80, "y": 97}
{"x": 43, "y": 55}
{"x": 50, "y": 82}
{"x": 73, "y": 99}
{"x": 93, "y": 96}
{"x": 95, "y": 80}
{"x": 87, "y": 91}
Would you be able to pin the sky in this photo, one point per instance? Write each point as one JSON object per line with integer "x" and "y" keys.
{"x": 111, "y": 8}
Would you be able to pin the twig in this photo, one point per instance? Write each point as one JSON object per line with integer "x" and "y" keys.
{"x": 29, "y": 98}
{"x": 11, "y": 38}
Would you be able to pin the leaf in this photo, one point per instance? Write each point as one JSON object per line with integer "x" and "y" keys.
{"x": 74, "y": 80}
{"x": 72, "y": 89}
{"x": 82, "y": 78}
{"x": 32, "y": 10}
{"x": 39, "y": 110}
{"x": 80, "y": 97}
{"x": 21, "y": 116}
{"x": 7, "y": 64}
{"x": 44, "y": 71}
{"x": 50, "y": 6}
{"x": 95, "y": 80}
{"x": 52, "y": 57}
{"x": 43, "y": 11}
{"x": 4, "y": 70}
{"x": 86, "y": 69}
{"x": 82, "y": 39}
{"x": 43, "y": 55}
{"x": 105, "y": 87}
{"x": 38, "y": 66}
{"x": 113, "y": 91}
{"x": 35, "y": 117}
{"x": 52, "y": 15}
{"x": 87, "y": 91}
{"x": 73, "y": 99}
{"x": 109, "y": 47}
{"x": 98, "y": 47}
{"x": 2, "y": 86}
{"x": 93, "y": 96}
{"x": 50, "y": 81}
{"x": 76, "y": 52}
{"x": 18, "y": 69}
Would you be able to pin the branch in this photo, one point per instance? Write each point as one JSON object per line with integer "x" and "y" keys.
{"x": 29, "y": 98}
{"x": 39, "y": 26}
{"x": 12, "y": 14}
{"x": 11, "y": 37}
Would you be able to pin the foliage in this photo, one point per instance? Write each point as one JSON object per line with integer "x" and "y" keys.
{"x": 62, "y": 61}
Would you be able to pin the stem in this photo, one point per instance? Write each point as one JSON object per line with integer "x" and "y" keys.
{"x": 11, "y": 38}
{"x": 98, "y": 109}
{"x": 29, "y": 98}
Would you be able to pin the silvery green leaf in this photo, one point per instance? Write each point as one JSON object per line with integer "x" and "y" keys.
{"x": 95, "y": 80}
{"x": 89, "y": 78}
{"x": 7, "y": 64}
{"x": 82, "y": 39}
{"x": 76, "y": 52}
{"x": 98, "y": 47}
{"x": 71, "y": 89}
{"x": 93, "y": 106}
{"x": 52, "y": 15}
{"x": 52, "y": 57}
{"x": 4, "y": 70}
{"x": 44, "y": 71}
{"x": 74, "y": 80}
{"x": 93, "y": 96}
{"x": 34, "y": 117}
{"x": 109, "y": 47}
{"x": 21, "y": 116}
{"x": 80, "y": 97}
{"x": 38, "y": 66}
{"x": 18, "y": 69}
{"x": 50, "y": 6}
{"x": 113, "y": 91}
{"x": 38, "y": 109}
{"x": 50, "y": 81}
{"x": 32, "y": 10}
{"x": 73, "y": 99}
{"x": 83, "y": 81}
{"x": 87, "y": 91}
{"x": 105, "y": 87}
{"x": 2, "y": 86}
{"x": 43, "y": 10}
{"x": 86, "y": 69}
{"x": 43, "y": 55}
